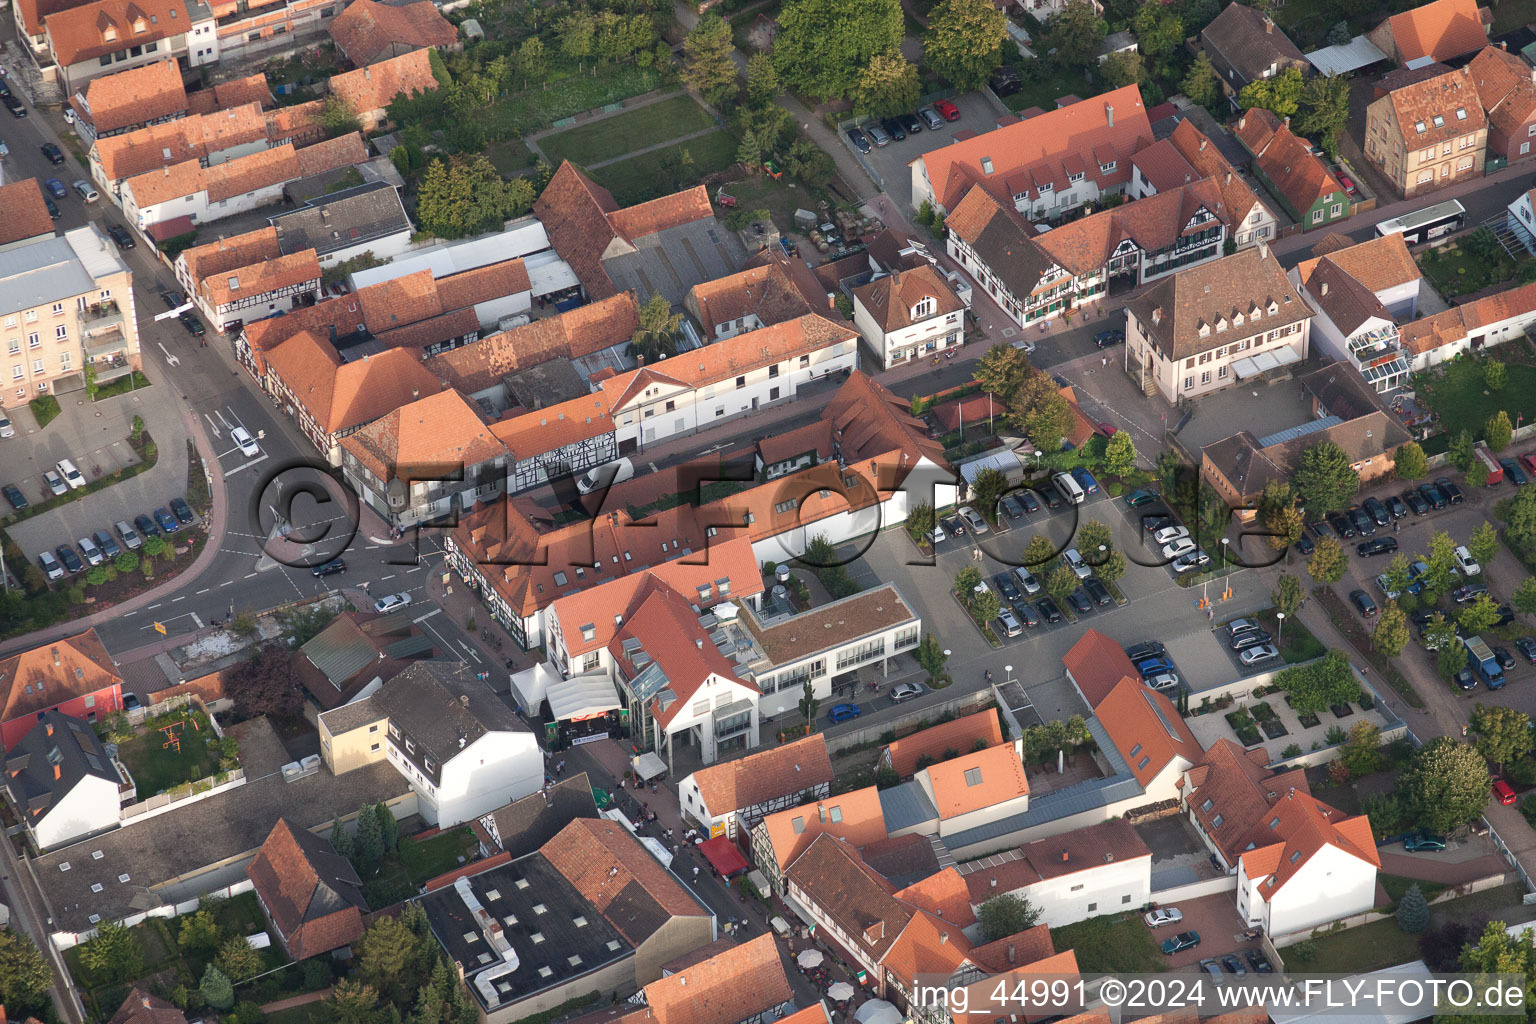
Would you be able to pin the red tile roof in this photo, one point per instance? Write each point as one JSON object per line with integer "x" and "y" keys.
{"x": 1287, "y": 160}
{"x": 1097, "y": 665}
{"x": 859, "y": 820}
{"x": 312, "y": 894}
{"x": 836, "y": 881}
{"x": 1208, "y": 162}
{"x": 1014, "y": 950}
{"x": 106, "y": 26}
{"x": 368, "y": 31}
{"x": 741, "y": 982}
{"x": 1504, "y": 87}
{"x": 483, "y": 284}
{"x": 262, "y": 278}
{"x": 1436, "y": 104}
{"x": 956, "y": 734}
{"x": 332, "y": 154}
{"x": 943, "y": 894}
{"x": 1378, "y": 264}
{"x": 983, "y": 778}
{"x": 136, "y": 96}
{"x": 890, "y": 300}
{"x": 26, "y": 215}
{"x": 440, "y": 430}
{"x": 370, "y": 89}
{"x": 764, "y": 291}
{"x": 1441, "y": 29}
{"x": 140, "y": 1008}
{"x": 763, "y": 776}
{"x": 1163, "y": 166}
{"x": 665, "y": 623}
{"x": 603, "y": 861}
{"x": 250, "y": 89}
{"x": 40, "y": 678}
{"x": 341, "y": 395}
{"x": 579, "y": 332}
{"x": 1142, "y": 720}
{"x": 226, "y": 254}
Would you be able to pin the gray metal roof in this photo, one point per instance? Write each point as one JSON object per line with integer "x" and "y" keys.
{"x": 343, "y": 219}
{"x": 40, "y": 273}
{"x": 1005, "y": 462}
{"x": 1290, "y": 434}
{"x": 906, "y": 805}
{"x": 340, "y": 651}
{"x": 1358, "y": 53}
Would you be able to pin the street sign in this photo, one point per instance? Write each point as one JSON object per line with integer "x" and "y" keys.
{"x": 160, "y": 627}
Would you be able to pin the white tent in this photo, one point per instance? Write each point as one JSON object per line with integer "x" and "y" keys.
{"x": 877, "y": 1011}
{"x": 531, "y": 686}
{"x": 582, "y": 696}
{"x": 648, "y": 765}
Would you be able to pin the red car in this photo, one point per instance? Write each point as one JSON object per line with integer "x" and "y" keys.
{"x": 1502, "y": 792}
{"x": 1348, "y": 183}
{"x": 1529, "y": 462}
{"x": 948, "y": 110}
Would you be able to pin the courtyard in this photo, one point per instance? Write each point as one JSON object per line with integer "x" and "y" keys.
{"x": 174, "y": 749}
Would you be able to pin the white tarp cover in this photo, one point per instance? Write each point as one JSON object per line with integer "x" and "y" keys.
{"x": 1358, "y": 53}
{"x": 648, "y": 765}
{"x": 581, "y": 696}
{"x": 531, "y": 685}
{"x": 1252, "y": 366}
{"x": 548, "y": 273}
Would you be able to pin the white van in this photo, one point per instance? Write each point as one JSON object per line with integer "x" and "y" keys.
{"x": 1069, "y": 488}
{"x": 608, "y": 475}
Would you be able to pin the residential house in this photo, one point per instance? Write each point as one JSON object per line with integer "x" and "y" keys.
{"x": 1147, "y": 731}
{"x": 244, "y": 30}
{"x": 778, "y": 840}
{"x": 462, "y": 750}
{"x": 749, "y": 300}
{"x": 522, "y": 826}
{"x": 1045, "y": 9}
{"x": 595, "y": 911}
{"x": 1245, "y": 47}
{"x": 427, "y": 459}
{"x": 271, "y": 287}
{"x": 331, "y": 400}
{"x": 908, "y": 315}
{"x": 68, "y": 305}
{"x": 208, "y": 139}
{"x": 724, "y": 982}
{"x": 310, "y": 893}
{"x": 613, "y": 249}
{"x": 142, "y": 1008}
{"x": 1096, "y": 665}
{"x": 343, "y": 225}
{"x": 358, "y": 651}
{"x": 1043, "y": 166}
{"x": 27, "y": 219}
{"x": 1212, "y": 326}
{"x": 1507, "y": 92}
{"x": 368, "y": 32}
{"x": 1100, "y": 869}
{"x": 1250, "y": 220}
{"x": 1428, "y": 131}
{"x": 1470, "y": 328}
{"x": 198, "y": 263}
{"x": 129, "y": 100}
{"x": 95, "y": 38}
{"x": 1344, "y": 410}
{"x": 1295, "y": 175}
{"x": 61, "y": 782}
{"x": 908, "y": 754}
{"x": 1359, "y": 294}
{"x": 235, "y": 92}
{"x": 1440, "y": 31}
{"x": 1036, "y": 277}
{"x": 977, "y": 788}
{"x": 732, "y": 797}
{"x": 1520, "y": 218}
{"x": 1300, "y": 863}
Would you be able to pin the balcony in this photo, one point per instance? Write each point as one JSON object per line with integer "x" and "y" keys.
{"x": 100, "y": 318}
{"x": 111, "y": 367}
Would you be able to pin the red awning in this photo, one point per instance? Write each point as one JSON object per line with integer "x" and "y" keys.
{"x": 724, "y": 855}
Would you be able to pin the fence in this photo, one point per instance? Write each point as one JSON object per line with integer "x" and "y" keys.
{"x": 186, "y": 794}
{"x": 1195, "y": 890}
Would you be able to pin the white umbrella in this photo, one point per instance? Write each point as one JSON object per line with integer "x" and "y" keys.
{"x": 809, "y": 958}
{"x": 877, "y": 1011}
{"x": 840, "y": 991}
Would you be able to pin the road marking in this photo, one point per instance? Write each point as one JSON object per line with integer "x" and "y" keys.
{"x": 417, "y": 569}
{"x": 173, "y": 360}
{"x": 424, "y": 618}
{"x": 197, "y": 620}
{"x": 183, "y": 597}
{"x": 389, "y": 577}
{"x": 129, "y": 615}
{"x": 249, "y": 575}
{"x": 469, "y": 650}
{"x": 226, "y": 583}
{"x": 244, "y": 466}
{"x": 152, "y": 607}
{"x": 204, "y": 590}
{"x": 213, "y": 426}
{"x": 220, "y": 414}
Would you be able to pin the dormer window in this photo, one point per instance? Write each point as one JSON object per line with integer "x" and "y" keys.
{"x": 109, "y": 34}
{"x": 1106, "y": 168}
{"x": 1205, "y": 330}
{"x": 140, "y": 26}
{"x": 925, "y": 307}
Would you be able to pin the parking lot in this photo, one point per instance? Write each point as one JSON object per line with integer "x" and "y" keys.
{"x": 891, "y": 162}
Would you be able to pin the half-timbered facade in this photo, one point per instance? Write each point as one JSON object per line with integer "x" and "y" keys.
{"x": 258, "y": 291}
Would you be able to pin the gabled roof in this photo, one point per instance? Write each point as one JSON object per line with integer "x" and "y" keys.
{"x": 1097, "y": 665}
{"x": 1504, "y": 87}
{"x": 1146, "y": 729}
{"x": 170, "y": 143}
{"x": 942, "y": 894}
{"x": 354, "y": 649}
{"x": 106, "y": 26}
{"x": 977, "y": 779}
{"x": 371, "y": 88}
{"x": 570, "y": 335}
{"x": 891, "y": 300}
{"x": 855, "y": 816}
{"x": 439, "y": 430}
{"x": 139, "y": 95}
{"x": 1304, "y": 825}
{"x": 1287, "y": 160}
{"x": 960, "y": 734}
{"x": 1230, "y": 793}
{"x": 929, "y": 945}
{"x": 1014, "y": 950}
{"x": 312, "y": 893}
{"x": 763, "y": 776}
{"x": 368, "y": 31}
{"x": 1249, "y": 42}
{"x": 26, "y": 215}
{"x": 51, "y": 760}
{"x": 226, "y": 254}
{"x": 263, "y": 278}
{"x": 343, "y": 220}
{"x": 525, "y": 825}
{"x": 668, "y": 630}
{"x": 619, "y": 877}
{"x": 235, "y": 93}
{"x": 1378, "y": 263}
{"x": 1204, "y": 307}
{"x": 142, "y": 1008}
{"x": 736, "y": 983}
{"x": 1442, "y": 29}
{"x": 54, "y": 673}
{"x": 1347, "y": 302}
{"x": 1437, "y": 108}
{"x": 1208, "y": 162}
{"x": 831, "y": 874}
{"x": 764, "y": 291}
{"x": 333, "y": 154}
{"x": 343, "y": 395}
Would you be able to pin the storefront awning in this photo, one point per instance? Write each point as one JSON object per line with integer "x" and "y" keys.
{"x": 648, "y": 765}
{"x": 530, "y": 686}
{"x": 724, "y": 855}
{"x": 1253, "y": 366}
{"x": 582, "y": 696}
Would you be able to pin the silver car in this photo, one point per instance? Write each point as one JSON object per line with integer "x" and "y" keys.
{"x": 973, "y": 519}
{"x": 91, "y": 552}
{"x": 54, "y": 481}
{"x": 1259, "y": 654}
{"x": 877, "y": 135}
{"x": 1027, "y": 580}
{"x": 129, "y": 536}
{"x": 905, "y": 692}
{"x": 1074, "y": 560}
{"x": 1163, "y": 915}
{"x": 1009, "y": 623}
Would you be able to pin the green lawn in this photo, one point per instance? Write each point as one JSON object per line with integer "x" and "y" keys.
{"x": 622, "y": 133}
{"x": 1457, "y": 393}
{"x": 649, "y": 176}
{"x": 1454, "y": 271}
{"x": 511, "y": 157}
{"x": 1111, "y": 944}
{"x": 1045, "y": 93}
{"x": 527, "y": 112}
{"x": 1382, "y": 943}
{"x": 1297, "y": 642}
{"x": 1397, "y": 886}
{"x": 157, "y": 767}
{"x": 427, "y": 858}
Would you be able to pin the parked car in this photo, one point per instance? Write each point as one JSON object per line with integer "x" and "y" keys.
{"x": 1073, "y": 559}
{"x": 108, "y": 546}
{"x": 1163, "y": 915}
{"x": 973, "y": 519}
{"x": 1451, "y": 491}
{"x": 931, "y": 118}
{"x": 1027, "y": 580}
{"x": 1137, "y": 499}
{"x": 53, "y": 207}
{"x": 1243, "y": 641}
{"x": 330, "y": 568}
{"x": 244, "y": 441}
{"x": 1011, "y": 507}
{"x": 1363, "y": 603}
{"x": 1503, "y": 657}
{"x": 1155, "y": 522}
{"x": 1152, "y": 666}
{"x": 1304, "y": 545}
{"x": 392, "y": 602}
{"x": 1029, "y": 501}
{"x": 1434, "y": 495}
{"x": 902, "y": 692}
{"x": 947, "y": 110}
{"x": 72, "y": 476}
{"x": 1194, "y": 559}
{"x": 1007, "y": 624}
{"x": 182, "y": 511}
{"x": 54, "y": 154}
{"x": 936, "y": 534}
{"x": 893, "y": 128}
{"x": 1376, "y": 546}
{"x": 56, "y": 188}
{"x": 1098, "y": 591}
{"x": 1104, "y": 339}
{"x": 1423, "y": 843}
{"x": 1527, "y": 646}
{"x": 1007, "y": 587}
{"x": 92, "y": 553}
{"x": 1147, "y": 649}
{"x": 1514, "y": 472}
{"x": 1362, "y": 522}
{"x": 1377, "y": 511}
{"x": 18, "y": 501}
{"x": 843, "y": 713}
{"x": 72, "y": 563}
{"x": 1085, "y": 480}
{"x": 859, "y": 139}
{"x": 877, "y": 135}
{"x": 1233, "y": 964}
{"x": 1181, "y": 942}
{"x": 85, "y": 191}
{"x": 1079, "y": 600}
{"x": 1243, "y": 625}
{"x": 128, "y": 535}
{"x": 1182, "y": 546}
{"x": 1162, "y": 680}
{"x": 1348, "y": 184}
{"x": 1416, "y": 503}
{"x": 120, "y": 236}
{"x": 54, "y": 481}
{"x": 1470, "y": 592}
{"x": 1341, "y": 524}
{"x": 165, "y": 520}
{"x": 15, "y": 106}
{"x": 1465, "y": 562}
{"x": 193, "y": 325}
{"x": 146, "y": 526}
{"x": 910, "y": 123}
{"x": 1396, "y": 507}
{"x": 1529, "y": 462}
{"x": 1503, "y": 792}
{"x": 50, "y": 566}
{"x": 1258, "y": 961}
{"x": 1026, "y": 613}
{"x": 954, "y": 527}
{"x": 1050, "y": 610}
{"x": 1466, "y": 680}
{"x": 1255, "y": 655}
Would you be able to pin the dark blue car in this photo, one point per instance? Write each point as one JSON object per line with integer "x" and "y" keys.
{"x": 1085, "y": 480}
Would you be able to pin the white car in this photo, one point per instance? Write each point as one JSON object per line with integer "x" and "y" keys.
{"x": 1263, "y": 652}
{"x": 50, "y": 566}
{"x": 1074, "y": 560}
{"x": 936, "y": 534}
{"x": 1381, "y": 584}
{"x": 244, "y": 441}
{"x": 392, "y": 602}
{"x": 1163, "y": 915}
{"x": 973, "y": 519}
{"x": 1466, "y": 563}
{"x": 1182, "y": 546}
{"x": 1162, "y": 680}
{"x": 7, "y": 429}
{"x": 71, "y": 475}
{"x": 91, "y": 552}
{"x": 1169, "y": 534}
{"x": 85, "y": 190}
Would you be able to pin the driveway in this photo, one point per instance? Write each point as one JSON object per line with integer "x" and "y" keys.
{"x": 977, "y": 114}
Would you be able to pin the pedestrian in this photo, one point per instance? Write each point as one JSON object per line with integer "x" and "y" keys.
{"x": 1106, "y": 361}
{"x": 695, "y": 874}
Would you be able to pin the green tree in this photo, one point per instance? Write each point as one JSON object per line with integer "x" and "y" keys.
{"x": 1498, "y": 431}
{"x": 1459, "y": 453}
{"x": 1060, "y": 583}
{"x": 808, "y": 703}
{"x": 1159, "y": 30}
{"x": 1039, "y": 408}
{"x": 238, "y": 960}
{"x": 1391, "y": 633}
{"x": 930, "y": 655}
{"x": 1202, "y": 84}
{"x": 1440, "y": 637}
{"x": 887, "y": 85}
{"x": 1074, "y": 33}
{"x": 1440, "y": 575}
{"x": 1477, "y": 474}
{"x": 112, "y": 956}
{"x": 24, "y": 975}
{"x": 1282, "y": 93}
{"x": 809, "y": 163}
{"x": 656, "y": 337}
{"x": 1040, "y": 550}
{"x": 1484, "y": 543}
{"x": 1005, "y": 915}
{"x": 1411, "y": 462}
{"x": 920, "y": 519}
{"x": 389, "y": 828}
{"x": 1090, "y": 537}
{"x": 1493, "y": 375}
{"x": 986, "y": 490}
{"x": 1287, "y": 594}
{"x": 341, "y": 839}
{"x": 1120, "y": 453}
{"x": 986, "y": 605}
{"x": 337, "y": 117}
{"x": 966, "y": 582}
{"x": 217, "y": 989}
{"x": 1327, "y": 563}
{"x": 1112, "y": 568}
{"x": 1524, "y": 597}
{"x": 964, "y": 42}
{"x": 368, "y": 844}
{"x": 464, "y": 197}
{"x": 1520, "y": 522}
{"x": 1502, "y": 735}
{"x": 532, "y": 61}
{"x": 353, "y": 1002}
{"x": 1323, "y": 110}
{"x": 1121, "y": 68}
{"x": 1002, "y": 370}
{"x": 199, "y": 932}
{"x": 821, "y": 45}
{"x": 1478, "y": 614}
{"x": 1413, "y": 911}
{"x": 392, "y": 956}
{"x": 1446, "y": 782}
{"x": 707, "y": 65}
{"x": 763, "y": 85}
{"x": 1279, "y": 516}
{"x": 1324, "y": 480}
{"x": 1361, "y": 753}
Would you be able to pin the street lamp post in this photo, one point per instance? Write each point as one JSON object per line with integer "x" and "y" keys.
{"x": 1008, "y": 671}
{"x": 1279, "y": 625}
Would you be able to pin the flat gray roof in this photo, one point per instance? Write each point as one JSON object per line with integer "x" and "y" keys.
{"x": 40, "y": 273}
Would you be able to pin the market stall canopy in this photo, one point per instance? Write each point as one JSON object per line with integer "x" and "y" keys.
{"x": 648, "y": 765}
{"x": 582, "y": 696}
{"x": 532, "y": 684}
{"x": 725, "y": 856}
{"x": 877, "y": 1011}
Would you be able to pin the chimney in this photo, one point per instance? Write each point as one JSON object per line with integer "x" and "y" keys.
{"x": 1269, "y": 27}
{"x": 1063, "y": 854}
{"x": 1229, "y": 178}
{"x": 698, "y": 642}
{"x": 1203, "y": 141}
{"x": 1287, "y": 122}
{"x": 57, "y": 771}
{"x": 1010, "y": 953}
{"x": 943, "y": 938}
{"x": 49, "y": 727}
{"x": 367, "y": 76}
{"x": 1242, "y": 121}
{"x": 1186, "y": 177}
{"x": 1157, "y": 315}
{"x": 1324, "y": 289}
{"x": 1109, "y": 114}
{"x": 56, "y": 660}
